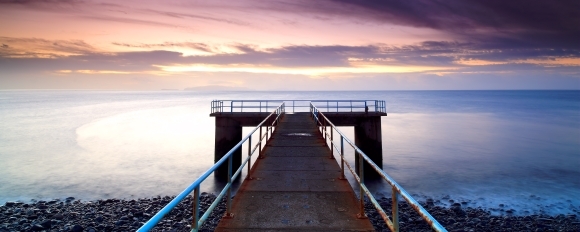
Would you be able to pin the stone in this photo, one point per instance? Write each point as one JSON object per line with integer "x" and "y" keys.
{"x": 58, "y": 216}
{"x": 37, "y": 227}
{"x": 77, "y": 228}
{"x": 10, "y": 204}
{"x": 46, "y": 224}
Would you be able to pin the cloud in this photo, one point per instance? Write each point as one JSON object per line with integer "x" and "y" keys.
{"x": 430, "y": 55}
{"x": 196, "y": 16}
{"x": 430, "y": 58}
{"x": 495, "y": 23}
{"x": 99, "y": 11}
{"x": 35, "y": 47}
{"x": 197, "y": 46}
{"x": 131, "y": 21}
{"x": 32, "y": 2}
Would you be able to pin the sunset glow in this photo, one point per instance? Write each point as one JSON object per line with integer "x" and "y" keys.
{"x": 397, "y": 45}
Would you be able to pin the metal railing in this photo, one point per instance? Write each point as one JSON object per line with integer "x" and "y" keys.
{"x": 397, "y": 190}
{"x": 230, "y": 106}
{"x": 198, "y": 220}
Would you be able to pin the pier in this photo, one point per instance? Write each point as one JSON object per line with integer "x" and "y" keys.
{"x": 296, "y": 186}
{"x": 297, "y": 181}
{"x": 230, "y": 119}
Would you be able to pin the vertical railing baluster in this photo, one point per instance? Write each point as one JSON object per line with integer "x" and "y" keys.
{"x": 395, "y": 209}
{"x": 342, "y": 158}
{"x": 195, "y": 205}
{"x": 331, "y": 143}
{"x": 366, "y": 107}
{"x": 261, "y": 138}
{"x": 229, "y": 200}
{"x": 325, "y": 142}
{"x": 362, "y": 181}
{"x": 249, "y": 176}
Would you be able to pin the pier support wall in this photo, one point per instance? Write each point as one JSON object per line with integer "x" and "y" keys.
{"x": 228, "y": 133}
{"x": 367, "y": 136}
{"x": 367, "y": 132}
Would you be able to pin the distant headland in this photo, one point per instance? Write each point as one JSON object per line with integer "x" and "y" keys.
{"x": 217, "y": 88}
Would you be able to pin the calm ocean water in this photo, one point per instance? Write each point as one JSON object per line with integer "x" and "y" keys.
{"x": 518, "y": 148}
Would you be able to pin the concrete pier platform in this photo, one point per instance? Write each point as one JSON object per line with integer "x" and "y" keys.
{"x": 296, "y": 187}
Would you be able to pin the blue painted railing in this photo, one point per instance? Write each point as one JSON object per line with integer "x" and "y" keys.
{"x": 397, "y": 190}
{"x": 227, "y": 190}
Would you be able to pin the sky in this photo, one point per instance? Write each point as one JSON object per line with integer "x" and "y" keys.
{"x": 290, "y": 44}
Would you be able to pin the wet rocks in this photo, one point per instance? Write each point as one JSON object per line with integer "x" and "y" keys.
{"x": 129, "y": 215}
{"x": 102, "y": 215}
{"x": 460, "y": 218}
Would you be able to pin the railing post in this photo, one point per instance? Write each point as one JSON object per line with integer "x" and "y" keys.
{"x": 324, "y": 131}
{"x": 331, "y": 143}
{"x": 229, "y": 213}
{"x": 249, "y": 176}
{"x": 342, "y": 158}
{"x": 261, "y": 138}
{"x": 195, "y": 205}
{"x": 350, "y": 105}
{"x": 395, "y": 209}
{"x": 367, "y": 107}
{"x": 361, "y": 175}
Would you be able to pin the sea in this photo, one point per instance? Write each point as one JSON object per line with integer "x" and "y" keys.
{"x": 495, "y": 149}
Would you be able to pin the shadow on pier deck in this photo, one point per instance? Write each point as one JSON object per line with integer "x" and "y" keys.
{"x": 296, "y": 186}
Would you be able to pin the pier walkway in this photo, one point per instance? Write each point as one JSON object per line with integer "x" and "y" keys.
{"x": 296, "y": 186}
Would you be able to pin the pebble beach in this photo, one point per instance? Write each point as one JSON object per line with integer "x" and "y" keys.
{"x": 75, "y": 215}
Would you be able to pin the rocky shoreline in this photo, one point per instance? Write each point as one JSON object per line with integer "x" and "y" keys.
{"x": 129, "y": 215}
